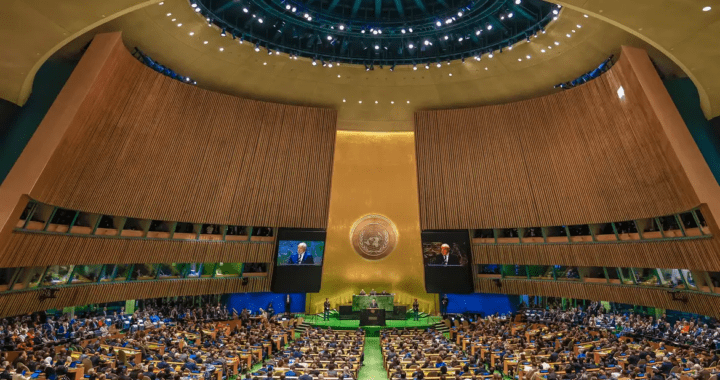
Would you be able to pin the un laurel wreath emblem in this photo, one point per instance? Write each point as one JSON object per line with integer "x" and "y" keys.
{"x": 373, "y": 237}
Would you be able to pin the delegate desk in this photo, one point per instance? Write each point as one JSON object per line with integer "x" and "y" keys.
{"x": 385, "y": 302}
{"x": 372, "y": 317}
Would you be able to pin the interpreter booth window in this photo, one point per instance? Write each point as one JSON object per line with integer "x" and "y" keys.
{"x": 29, "y": 278}
{"x": 228, "y": 270}
{"x": 57, "y": 275}
{"x": 84, "y": 274}
{"x": 170, "y": 271}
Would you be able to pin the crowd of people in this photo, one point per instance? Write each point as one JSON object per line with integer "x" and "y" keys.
{"x": 172, "y": 341}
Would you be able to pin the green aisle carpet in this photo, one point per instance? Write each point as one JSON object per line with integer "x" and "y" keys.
{"x": 373, "y": 368}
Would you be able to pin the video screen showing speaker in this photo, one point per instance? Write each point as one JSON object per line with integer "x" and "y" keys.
{"x": 446, "y": 255}
{"x": 298, "y": 256}
{"x": 300, "y": 252}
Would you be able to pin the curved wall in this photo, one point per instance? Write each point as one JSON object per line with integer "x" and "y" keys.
{"x": 580, "y": 156}
{"x": 147, "y": 146}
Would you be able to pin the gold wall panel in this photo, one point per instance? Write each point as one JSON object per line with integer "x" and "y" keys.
{"x": 374, "y": 173}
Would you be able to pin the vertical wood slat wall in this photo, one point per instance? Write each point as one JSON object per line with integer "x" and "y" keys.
{"x": 575, "y": 157}
{"x": 18, "y": 303}
{"x": 699, "y": 303}
{"x": 696, "y": 254}
{"x": 34, "y": 249}
{"x": 147, "y": 146}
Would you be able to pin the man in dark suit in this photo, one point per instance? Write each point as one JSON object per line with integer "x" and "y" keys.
{"x": 373, "y": 304}
{"x": 301, "y": 257}
{"x": 445, "y": 258}
{"x": 416, "y": 310}
{"x": 326, "y": 310}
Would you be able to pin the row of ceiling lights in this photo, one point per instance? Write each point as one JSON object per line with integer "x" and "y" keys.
{"x": 370, "y": 67}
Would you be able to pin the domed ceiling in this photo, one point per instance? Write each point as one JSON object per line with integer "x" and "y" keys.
{"x": 379, "y": 32}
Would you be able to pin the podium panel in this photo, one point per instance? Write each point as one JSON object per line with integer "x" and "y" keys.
{"x": 372, "y": 317}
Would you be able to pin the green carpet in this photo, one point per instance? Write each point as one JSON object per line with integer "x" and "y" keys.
{"x": 373, "y": 368}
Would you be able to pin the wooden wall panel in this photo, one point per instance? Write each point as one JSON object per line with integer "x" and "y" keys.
{"x": 35, "y": 249}
{"x": 17, "y": 303}
{"x": 699, "y": 303}
{"x": 575, "y": 157}
{"x": 699, "y": 254}
{"x": 147, "y": 146}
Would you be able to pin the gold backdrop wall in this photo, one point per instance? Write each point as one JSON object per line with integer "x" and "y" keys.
{"x": 374, "y": 173}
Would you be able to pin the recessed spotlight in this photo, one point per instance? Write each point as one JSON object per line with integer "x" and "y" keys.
{"x": 439, "y": 65}
{"x": 555, "y": 11}
{"x": 173, "y": 20}
{"x": 410, "y": 46}
{"x": 489, "y": 27}
{"x": 510, "y": 15}
{"x": 402, "y": 31}
{"x": 568, "y": 35}
{"x": 527, "y": 56}
{"x": 222, "y": 49}
{"x": 392, "y": 102}
{"x": 519, "y": 59}
{"x": 288, "y": 7}
{"x": 309, "y": 18}
{"x": 557, "y": 43}
{"x": 294, "y": 9}
{"x": 410, "y": 30}
{"x": 579, "y": 26}
{"x": 491, "y": 55}
{"x": 245, "y": 10}
{"x": 162, "y": 2}
{"x": 707, "y": 9}
{"x": 260, "y": 20}
{"x": 586, "y": 16}
{"x": 338, "y": 75}
{"x": 377, "y": 47}
{"x": 460, "y": 14}
{"x": 517, "y": 2}
{"x": 329, "y": 38}
{"x": 414, "y": 67}
{"x": 542, "y": 51}
{"x": 376, "y": 102}
{"x": 192, "y": 33}
{"x": 477, "y": 32}
{"x": 449, "y": 74}
{"x": 408, "y": 102}
{"x": 169, "y": 14}
{"x": 438, "y": 23}
{"x": 341, "y": 27}
{"x": 343, "y": 100}
{"x": 205, "y": 42}
{"x": 264, "y": 63}
{"x": 360, "y": 101}
{"x": 573, "y": 30}
{"x": 486, "y": 69}
{"x": 179, "y": 25}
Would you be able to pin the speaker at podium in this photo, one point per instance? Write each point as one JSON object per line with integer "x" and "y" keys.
{"x": 372, "y": 317}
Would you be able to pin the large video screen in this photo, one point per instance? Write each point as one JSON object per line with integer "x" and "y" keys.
{"x": 446, "y": 255}
{"x": 300, "y": 252}
{"x": 299, "y": 256}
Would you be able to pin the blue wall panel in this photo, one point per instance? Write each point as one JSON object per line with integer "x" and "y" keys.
{"x": 486, "y": 304}
{"x": 255, "y": 301}
{"x": 685, "y": 96}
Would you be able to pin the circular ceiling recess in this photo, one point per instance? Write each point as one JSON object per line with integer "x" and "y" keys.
{"x": 378, "y": 32}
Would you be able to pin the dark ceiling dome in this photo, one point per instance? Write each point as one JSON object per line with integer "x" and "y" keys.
{"x": 379, "y": 32}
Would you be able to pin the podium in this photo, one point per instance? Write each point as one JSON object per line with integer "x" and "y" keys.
{"x": 372, "y": 317}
